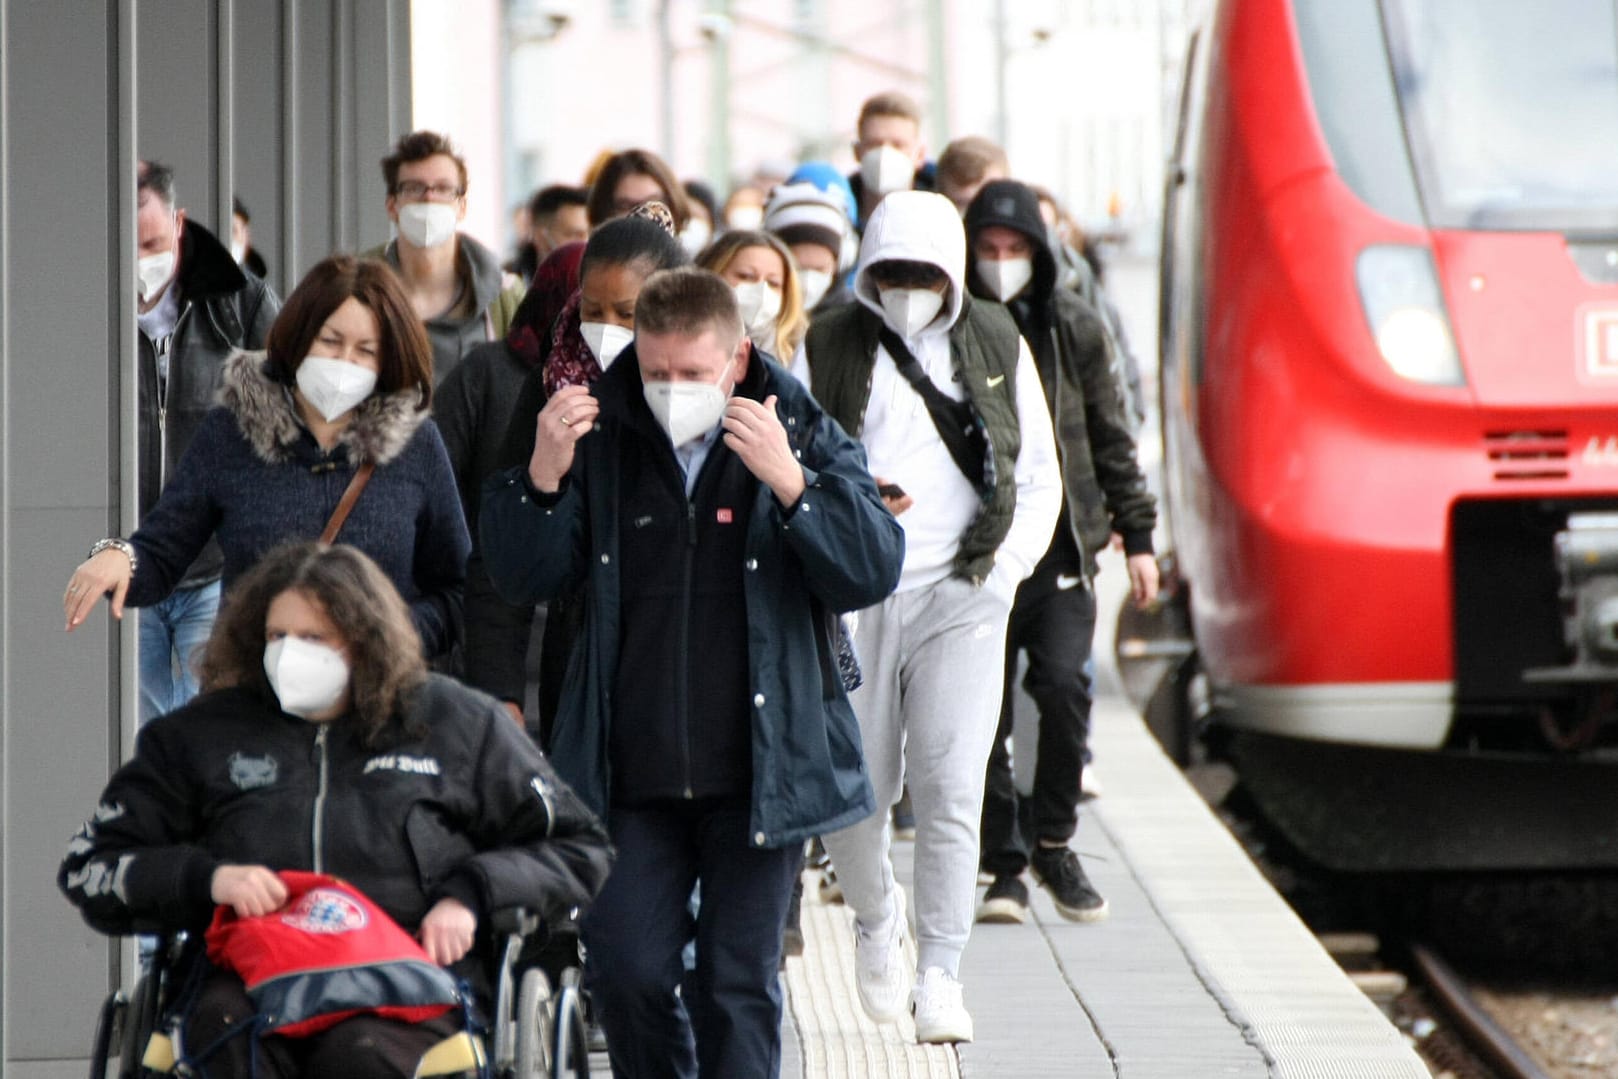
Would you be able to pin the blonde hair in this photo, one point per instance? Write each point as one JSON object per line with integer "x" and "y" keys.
{"x": 792, "y": 323}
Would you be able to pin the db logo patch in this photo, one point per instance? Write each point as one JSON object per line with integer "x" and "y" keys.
{"x": 325, "y": 910}
{"x": 1598, "y": 344}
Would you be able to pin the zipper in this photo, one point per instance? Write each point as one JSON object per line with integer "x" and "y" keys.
{"x": 163, "y": 384}
{"x": 1061, "y": 460}
{"x": 685, "y": 648}
{"x": 317, "y": 821}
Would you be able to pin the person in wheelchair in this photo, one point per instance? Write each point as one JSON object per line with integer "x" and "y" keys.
{"x": 322, "y": 743}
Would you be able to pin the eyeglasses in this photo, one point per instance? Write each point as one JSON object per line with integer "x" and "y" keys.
{"x": 415, "y": 190}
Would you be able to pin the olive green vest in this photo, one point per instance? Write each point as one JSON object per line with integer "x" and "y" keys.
{"x": 984, "y": 346}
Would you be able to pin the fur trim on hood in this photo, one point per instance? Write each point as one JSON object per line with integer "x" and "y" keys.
{"x": 383, "y": 424}
{"x": 915, "y": 226}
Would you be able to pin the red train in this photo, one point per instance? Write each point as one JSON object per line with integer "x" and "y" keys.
{"x": 1389, "y": 348}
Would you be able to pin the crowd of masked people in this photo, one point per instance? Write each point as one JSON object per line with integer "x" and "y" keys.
{"x": 796, "y": 485}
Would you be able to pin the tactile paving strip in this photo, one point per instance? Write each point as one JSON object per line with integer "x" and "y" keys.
{"x": 836, "y": 1038}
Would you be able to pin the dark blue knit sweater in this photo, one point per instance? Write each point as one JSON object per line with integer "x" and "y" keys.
{"x": 256, "y": 477}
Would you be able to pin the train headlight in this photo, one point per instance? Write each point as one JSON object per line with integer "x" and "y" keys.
{"x": 1399, "y": 288}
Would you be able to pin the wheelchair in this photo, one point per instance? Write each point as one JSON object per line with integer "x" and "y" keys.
{"x": 538, "y": 1029}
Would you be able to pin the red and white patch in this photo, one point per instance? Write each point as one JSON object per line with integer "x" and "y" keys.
{"x": 325, "y": 910}
{"x": 724, "y": 515}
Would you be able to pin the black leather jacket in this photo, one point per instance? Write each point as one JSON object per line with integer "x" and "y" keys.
{"x": 222, "y": 308}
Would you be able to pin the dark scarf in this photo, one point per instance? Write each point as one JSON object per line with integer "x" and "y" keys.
{"x": 556, "y": 280}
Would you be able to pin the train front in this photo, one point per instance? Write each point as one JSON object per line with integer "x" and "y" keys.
{"x": 1391, "y": 421}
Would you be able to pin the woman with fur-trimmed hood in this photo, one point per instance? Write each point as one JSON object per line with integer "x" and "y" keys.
{"x": 346, "y": 381}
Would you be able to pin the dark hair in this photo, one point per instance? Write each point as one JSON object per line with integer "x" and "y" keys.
{"x": 158, "y": 178}
{"x": 547, "y": 200}
{"x": 699, "y": 191}
{"x": 239, "y": 208}
{"x": 384, "y": 650}
{"x": 890, "y": 103}
{"x": 419, "y": 146}
{"x": 632, "y": 163}
{"x": 689, "y": 301}
{"x": 638, "y": 242}
{"x": 405, "y": 358}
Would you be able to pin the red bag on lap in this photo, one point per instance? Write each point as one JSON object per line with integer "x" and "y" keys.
{"x": 329, "y": 954}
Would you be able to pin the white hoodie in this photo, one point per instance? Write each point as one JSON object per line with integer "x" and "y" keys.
{"x": 900, "y": 440}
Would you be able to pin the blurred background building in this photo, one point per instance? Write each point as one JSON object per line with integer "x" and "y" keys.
{"x": 1078, "y": 91}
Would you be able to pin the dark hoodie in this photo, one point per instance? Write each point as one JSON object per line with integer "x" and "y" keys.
{"x": 1103, "y": 487}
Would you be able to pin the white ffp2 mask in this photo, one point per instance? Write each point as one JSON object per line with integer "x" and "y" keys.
{"x": 605, "y": 340}
{"x": 308, "y": 678}
{"x": 153, "y": 272}
{"x": 885, "y": 170}
{"x": 814, "y": 284}
{"x": 687, "y": 410}
{"x": 910, "y": 310}
{"x": 333, "y": 386}
{"x": 427, "y": 224}
{"x": 1006, "y": 277}
{"x": 759, "y": 303}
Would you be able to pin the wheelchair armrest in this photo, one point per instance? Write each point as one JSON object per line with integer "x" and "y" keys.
{"x": 515, "y": 921}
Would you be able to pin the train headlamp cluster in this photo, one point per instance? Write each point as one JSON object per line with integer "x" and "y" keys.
{"x": 1587, "y": 559}
{"x": 1399, "y": 289}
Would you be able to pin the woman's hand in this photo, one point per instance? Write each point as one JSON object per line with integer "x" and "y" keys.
{"x": 249, "y": 890}
{"x": 108, "y": 571}
{"x": 447, "y": 931}
{"x": 567, "y": 417}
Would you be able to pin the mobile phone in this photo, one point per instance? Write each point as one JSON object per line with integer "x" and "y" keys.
{"x": 890, "y": 490}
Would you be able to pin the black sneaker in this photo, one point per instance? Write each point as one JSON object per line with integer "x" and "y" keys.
{"x": 1058, "y": 869}
{"x": 904, "y": 818}
{"x": 1006, "y": 901}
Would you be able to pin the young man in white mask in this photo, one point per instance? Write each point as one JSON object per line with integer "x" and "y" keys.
{"x": 455, "y": 283}
{"x": 914, "y": 366}
{"x": 716, "y": 519}
{"x": 194, "y": 307}
{"x": 889, "y": 151}
{"x": 1104, "y": 492}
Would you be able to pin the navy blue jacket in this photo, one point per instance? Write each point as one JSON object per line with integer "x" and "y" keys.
{"x": 255, "y": 477}
{"x": 838, "y": 549}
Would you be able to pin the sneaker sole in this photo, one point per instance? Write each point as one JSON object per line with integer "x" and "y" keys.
{"x": 1002, "y": 912}
{"x": 944, "y": 1035}
{"x": 1081, "y": 914}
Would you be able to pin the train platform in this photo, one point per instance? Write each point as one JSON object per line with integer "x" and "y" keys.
{"x": 1199, "y": 970}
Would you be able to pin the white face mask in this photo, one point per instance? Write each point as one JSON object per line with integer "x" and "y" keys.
{"x": 308, "y": 678}
{"x": 745, "y": 217}
{"x": 1006, "y": 277}
{"x": 427, "y": 224}
{"x": 759, "y": 304}
{"x": 885, "y": 170}
{"x": 154, "y": 272}
{"x": 334, "y": 386}
{"x": 238, "y": 250}
{"x": 605, "y": 340}
{"x": 695, "y": 236}
{"x": 687, "y": 410}
{"x": 909, "y": 310}
{"x": 814, "y": 284}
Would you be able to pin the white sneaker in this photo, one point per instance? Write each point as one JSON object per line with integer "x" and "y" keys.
{"x": 879, "y": 967}
{"x": 941, "y": 1017}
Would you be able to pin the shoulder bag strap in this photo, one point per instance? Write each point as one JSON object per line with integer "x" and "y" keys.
{"x": 362, "y": 476}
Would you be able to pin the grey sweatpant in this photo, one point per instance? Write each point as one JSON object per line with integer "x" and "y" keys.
{"x": 934, "y": 665}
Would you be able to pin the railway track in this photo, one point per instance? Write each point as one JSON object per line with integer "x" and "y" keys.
{"x": 1466, "y": 1016}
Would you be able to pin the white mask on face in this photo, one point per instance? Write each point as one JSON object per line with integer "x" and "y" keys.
{"x": 687, "y": 410}
{"x": 427, "y": 224}
{"x": 308, "y": 678}
{"x": 1006, "y": 277}
{"x": 745, "y": 217}
{"x": 759, "y": 304}
{"x": 695, "y": 236}
{"x": 154, "y": 272}
{"x": 238, "y": 250}
{"x": 605, "y": 340}
{"x": 814, "y": 284}
{"x": 885, "y": 170}
{"x": 909, "y": 310}
{"x": 334, "y": 386}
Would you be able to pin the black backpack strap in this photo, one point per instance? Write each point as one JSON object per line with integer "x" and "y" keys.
{"x": 957, "y": 424}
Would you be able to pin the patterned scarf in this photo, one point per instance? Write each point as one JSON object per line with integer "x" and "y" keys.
{"x": 555, "y": 281}
{"x": 570, "y": 363}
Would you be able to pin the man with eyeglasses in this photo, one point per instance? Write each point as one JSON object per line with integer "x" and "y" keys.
{"x": 455, "y": 283}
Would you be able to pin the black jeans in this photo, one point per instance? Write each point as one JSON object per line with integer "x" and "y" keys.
{"x": 1054, "y": 621}
{"x": 726, "y": 1021}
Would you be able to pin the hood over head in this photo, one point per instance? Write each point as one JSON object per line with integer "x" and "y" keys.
{"x": 1014, "y": 206}
{"x": 915, "y": 226}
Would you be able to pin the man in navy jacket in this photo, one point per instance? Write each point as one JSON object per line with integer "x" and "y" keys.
{"x": 720, "y": 521}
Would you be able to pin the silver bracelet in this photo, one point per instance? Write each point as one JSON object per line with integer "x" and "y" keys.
{"x": 115, "y": 543}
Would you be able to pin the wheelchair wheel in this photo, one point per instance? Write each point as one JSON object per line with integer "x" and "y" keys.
{"x": 571, "y": 1046}
{"x": 108, "y": 1025}
{"x": 534, "y": 1010}
{"x": 140, "y": 1021}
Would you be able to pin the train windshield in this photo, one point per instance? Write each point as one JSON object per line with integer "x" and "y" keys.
{"x": 1511, "y": 110}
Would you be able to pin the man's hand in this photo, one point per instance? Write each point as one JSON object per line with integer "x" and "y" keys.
{"x": 1142, "y": 578}
{"x": 249, "y": 890}
{"x": 108, "y": 571}
{"x": 447, "y": 931}
{"x": 754, "y": 433}
{"x": 896, "y": 505}
{"x": 567, "y": 417}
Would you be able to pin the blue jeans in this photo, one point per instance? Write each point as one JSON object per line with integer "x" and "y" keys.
{"x": 725, "y": 1023}
{"x": 171, "y": 634}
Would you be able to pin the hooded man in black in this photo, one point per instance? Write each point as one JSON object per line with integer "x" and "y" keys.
{"x": 1053, "y": 619}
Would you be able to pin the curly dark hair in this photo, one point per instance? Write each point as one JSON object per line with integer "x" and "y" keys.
{"x": 384, "y": 651}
